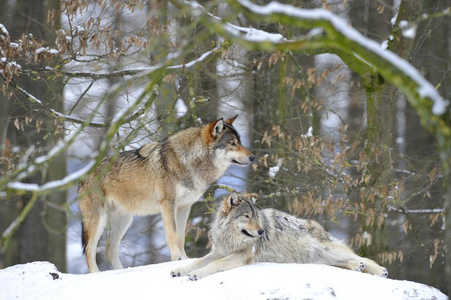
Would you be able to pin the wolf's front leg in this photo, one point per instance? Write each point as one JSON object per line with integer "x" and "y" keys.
{"x": 182, "y": 213}
{"x": 198, "y": 263}
{"x": 234, "y": 260}
{"x": 168, "y": 216}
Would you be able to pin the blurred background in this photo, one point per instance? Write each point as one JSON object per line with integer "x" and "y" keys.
{"x": 329, "y": 147}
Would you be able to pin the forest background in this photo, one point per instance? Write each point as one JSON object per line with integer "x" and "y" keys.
{"x": 342, "y": 102}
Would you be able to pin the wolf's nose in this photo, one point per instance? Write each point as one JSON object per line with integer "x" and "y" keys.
{"x": 251, "y": 158}
{"x": 261, "y": 231}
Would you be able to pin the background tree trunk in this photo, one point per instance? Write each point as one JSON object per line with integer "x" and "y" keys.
{"x": 42, "y": 236}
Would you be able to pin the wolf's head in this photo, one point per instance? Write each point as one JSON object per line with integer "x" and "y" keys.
{"x": 240, "y": 209}
{"x": 225, "y": 141}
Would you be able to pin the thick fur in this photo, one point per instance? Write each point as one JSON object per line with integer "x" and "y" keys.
{"x": 243, "y": 234}
{"x": 166, "y": 177}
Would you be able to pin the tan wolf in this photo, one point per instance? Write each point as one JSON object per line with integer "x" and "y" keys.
{"x": 243, "y": 234}
{"x": 166, "y": 177}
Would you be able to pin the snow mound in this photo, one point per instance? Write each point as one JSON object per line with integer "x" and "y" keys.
{"x": 41, "y": 280}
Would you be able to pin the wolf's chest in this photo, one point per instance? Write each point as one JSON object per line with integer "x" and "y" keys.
{"x": 187, "y": 196}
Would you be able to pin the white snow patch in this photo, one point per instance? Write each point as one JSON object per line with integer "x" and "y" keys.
{"x": 41, "y": 280}
{"x": 180, "y": 108}
{"x": 40, "y": 50}
{"x": 257, "y": 35}
{"x": 274, "y": 170}
{"x": 409, "y": 33}
{"x": 3, "y": 29}
{"x": 33, "y": 187}
{"x": 403, "y": 24}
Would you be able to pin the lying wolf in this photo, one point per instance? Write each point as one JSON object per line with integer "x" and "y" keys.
{"x": 166, "y": 177}
{"x": 243, "y": 234}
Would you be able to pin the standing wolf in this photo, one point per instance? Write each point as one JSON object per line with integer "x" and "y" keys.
{"x": 166, "y": 177}
{"x": 242, "y": 234}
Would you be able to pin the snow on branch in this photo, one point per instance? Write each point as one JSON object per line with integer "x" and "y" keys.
{"x": 69, "y": 180}
{"x": 144, "y": 71}
{"x": 54, "y": 114}
{"x": 342, "y": 39}
{"x": 26, "y": 169}
{"x": 126, "y": 114}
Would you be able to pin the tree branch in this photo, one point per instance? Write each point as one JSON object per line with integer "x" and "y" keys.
{"x": 343, "y": 39}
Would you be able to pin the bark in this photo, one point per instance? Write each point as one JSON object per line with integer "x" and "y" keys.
{"x": 42, "y": 234}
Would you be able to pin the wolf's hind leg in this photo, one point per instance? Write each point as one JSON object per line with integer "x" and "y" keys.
{"x": 373, "y": 268}
{"x": 356, "y": 265}
{"x": 93, "y": 227}
{"x": 344, "y": 257}
{"x": 119, "y": 224}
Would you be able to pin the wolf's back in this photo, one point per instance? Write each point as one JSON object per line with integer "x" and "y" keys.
{"x": 288, "y": 239}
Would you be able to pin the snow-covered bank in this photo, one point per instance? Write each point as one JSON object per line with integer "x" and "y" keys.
{"x": 41, "y": 280}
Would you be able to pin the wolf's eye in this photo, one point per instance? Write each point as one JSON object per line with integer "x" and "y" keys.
{"x": 246, "y": 216}
{"x": 232, "y": 143}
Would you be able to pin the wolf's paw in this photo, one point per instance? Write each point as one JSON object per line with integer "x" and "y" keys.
{"x": 192, "y": 277}
{"x": 175, "y": 274}
{"x": 361, "y": 267}
{"x": 178, "y": 272}
{"x": 195, "y": 275}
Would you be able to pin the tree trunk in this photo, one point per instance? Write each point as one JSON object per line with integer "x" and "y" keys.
{"x": 42, "y": 236}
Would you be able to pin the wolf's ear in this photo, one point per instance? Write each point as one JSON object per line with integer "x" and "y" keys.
{"x": 216, "y": 127}
{"x": 229, "y": 202}
{"x": 231, "y": 120}
{"x": 253, "y": 197}
{"x": 234, "y": 199}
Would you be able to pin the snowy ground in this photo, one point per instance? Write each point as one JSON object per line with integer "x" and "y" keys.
{"x": 41, "y": 280}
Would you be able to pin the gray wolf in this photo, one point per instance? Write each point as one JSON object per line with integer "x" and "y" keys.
{"x": 166, "y": 177}
{"x": 242, "y": 234}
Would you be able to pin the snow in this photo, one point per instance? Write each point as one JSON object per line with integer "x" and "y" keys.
{"x": 409, "y": 32}
{"x": 46, "y": 50}
{"x": 254, "y": 35}
{"x": 30, "y": 96}
{"x": 3, "y": 29}
{"x": 33, "y": 187}
{"x": 198, "y": 60}
{"x": 180, "y": 108}
{"x": 272, "y": 172}
{"x": 251, "y": 34}
{"x": 40, "y": 50}
{"x": 41, "y": 280}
